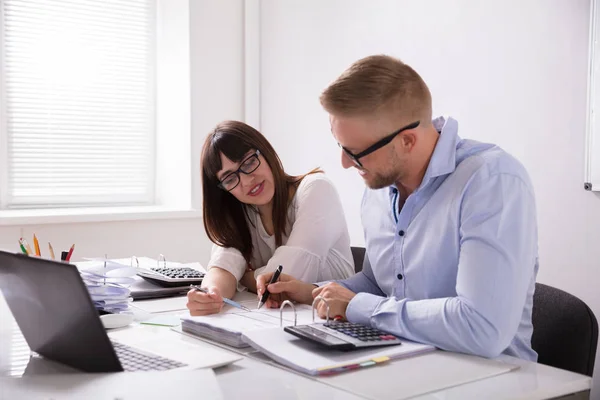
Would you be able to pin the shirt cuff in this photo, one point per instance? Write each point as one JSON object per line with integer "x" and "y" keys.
{"x": 362, "y": 307}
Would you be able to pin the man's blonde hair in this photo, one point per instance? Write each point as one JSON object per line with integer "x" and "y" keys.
{"x": 378, "y": 83}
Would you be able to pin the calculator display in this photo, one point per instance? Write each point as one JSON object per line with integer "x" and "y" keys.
{"x": 324, "y": 336}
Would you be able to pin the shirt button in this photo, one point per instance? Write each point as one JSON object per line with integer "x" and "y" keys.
{"x": 401, "y": 233}
{"x": 399, "y": 276}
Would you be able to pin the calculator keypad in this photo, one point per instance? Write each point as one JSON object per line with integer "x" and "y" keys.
{"x": 361, "y": 332}
{"x": 182, "y": 273}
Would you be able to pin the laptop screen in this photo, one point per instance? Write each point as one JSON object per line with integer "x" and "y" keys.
{"x": 55, "y": 313}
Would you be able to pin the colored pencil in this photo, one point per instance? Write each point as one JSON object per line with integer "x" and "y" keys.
{"x": 51, "y": 251}
{"x": 36, "y": 246}
{"x": 70, "y": 253}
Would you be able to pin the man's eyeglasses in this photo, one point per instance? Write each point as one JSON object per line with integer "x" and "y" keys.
{"x": 377, "y": 145}
{"x": 248, "y": 166}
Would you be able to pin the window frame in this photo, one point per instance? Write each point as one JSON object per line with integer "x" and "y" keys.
{"x": 592, "y": 143}
{"x": 174, "y": 174}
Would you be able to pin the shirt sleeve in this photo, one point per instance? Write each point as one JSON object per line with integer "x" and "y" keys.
{"x": 498, "y": 254}
{"x": 229, "y": 259}
{"x": 319, "y": 224}
{"x": 364, "y": 281}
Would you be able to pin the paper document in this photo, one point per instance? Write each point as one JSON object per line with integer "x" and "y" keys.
{"x": 122, "y": 385}
{"x": 312, "y": 359}
{"x": 168, "y": 304}
{"x": 228, "y": 326}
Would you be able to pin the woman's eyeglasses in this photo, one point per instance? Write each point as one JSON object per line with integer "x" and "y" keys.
{"x": 248, "y": 166}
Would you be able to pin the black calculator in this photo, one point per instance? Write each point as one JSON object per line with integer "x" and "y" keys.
{"x": 174, "y": 276}
{"x": 343, "y": 335}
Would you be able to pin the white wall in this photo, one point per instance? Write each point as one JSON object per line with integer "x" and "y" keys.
{"x": 512, "y": 72}
{"x": 217, "y": 93}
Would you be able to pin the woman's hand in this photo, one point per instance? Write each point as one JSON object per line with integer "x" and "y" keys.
{"x": 204, "y": 303}
{"x": 286, "y": 287}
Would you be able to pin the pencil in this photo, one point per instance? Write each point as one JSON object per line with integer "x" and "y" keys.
{"x": 23, "y": 249}
{"x": 51, "y": 251}
{"x": 70, "y": 253}
{"x": 36, "y": 245}
{"x": 29, "y": 251}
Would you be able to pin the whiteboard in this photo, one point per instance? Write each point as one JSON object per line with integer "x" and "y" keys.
{"x": 592, "y": 173}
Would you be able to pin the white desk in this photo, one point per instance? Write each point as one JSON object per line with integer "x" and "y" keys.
{"x": 250, "y": 378}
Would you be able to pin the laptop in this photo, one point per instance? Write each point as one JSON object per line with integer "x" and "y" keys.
{"x": 57, "y": 318}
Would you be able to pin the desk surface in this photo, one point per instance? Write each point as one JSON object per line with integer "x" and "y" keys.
{"x": 250, "y": 378}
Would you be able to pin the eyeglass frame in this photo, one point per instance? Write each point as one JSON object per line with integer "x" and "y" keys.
{"x": 237, "y": 172}
{"x": 377, "y": 145}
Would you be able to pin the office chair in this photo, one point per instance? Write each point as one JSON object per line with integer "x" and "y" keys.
{"x": 358, "y": 254}
{"x": 565, "y": 330}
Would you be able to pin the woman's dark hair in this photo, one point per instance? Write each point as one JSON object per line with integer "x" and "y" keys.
{"x": 225, "y": 216}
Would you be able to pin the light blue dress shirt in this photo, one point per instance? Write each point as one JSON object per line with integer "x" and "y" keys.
{"x": 456, "y": 267}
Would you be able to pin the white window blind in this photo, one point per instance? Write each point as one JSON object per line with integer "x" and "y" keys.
{"x": 78, "y": 102}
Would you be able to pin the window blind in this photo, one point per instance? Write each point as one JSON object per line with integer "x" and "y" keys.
{"x": 79, "y": 102}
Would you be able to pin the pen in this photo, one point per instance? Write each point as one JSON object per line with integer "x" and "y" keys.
{"x": 266, "y": 294}
{"x": 36, "y": 246}
{"x": 226, "y": 301}
{"x": 63, "y": 256}
{"x": 70, "y": 253}
{"x": 23, "y": 249}
{"x": 51, "y": 251}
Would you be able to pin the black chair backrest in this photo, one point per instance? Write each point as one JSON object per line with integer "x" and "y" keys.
{"x": 358, "y": 253}
{"x": 565, "y": 330}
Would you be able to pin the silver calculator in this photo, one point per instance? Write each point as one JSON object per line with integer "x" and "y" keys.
{"x": 172, "y": 276}
{"x": 343, "y": 335}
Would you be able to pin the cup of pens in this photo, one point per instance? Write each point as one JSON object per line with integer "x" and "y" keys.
{"x": 26, "y": 249}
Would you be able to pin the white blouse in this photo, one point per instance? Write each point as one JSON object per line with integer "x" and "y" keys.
{"x": 317, "y": 247}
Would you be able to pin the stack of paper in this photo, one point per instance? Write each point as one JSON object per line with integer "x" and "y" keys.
{"x": 222, "y": 328}
{"x": 108, "y": 284}
{"x": 229, "y": 326}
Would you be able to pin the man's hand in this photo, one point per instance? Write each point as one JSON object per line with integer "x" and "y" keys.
{"x": 285, "y": 288}
{"x": 205, "y": 303}
{"x": 338, "y": 298}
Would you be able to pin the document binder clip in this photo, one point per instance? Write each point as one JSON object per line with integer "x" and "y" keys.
{"x": 281, "y": 312}
{"x": 316, "y": 300}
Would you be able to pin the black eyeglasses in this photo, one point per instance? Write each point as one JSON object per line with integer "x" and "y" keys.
{"x": 377, "y": 145}
{"x": 248, "y": 166}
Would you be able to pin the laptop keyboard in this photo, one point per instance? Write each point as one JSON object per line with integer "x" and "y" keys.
{"x": 137, "y": 360}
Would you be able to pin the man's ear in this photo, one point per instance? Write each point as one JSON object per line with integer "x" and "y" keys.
{"x": 408, "y": 140}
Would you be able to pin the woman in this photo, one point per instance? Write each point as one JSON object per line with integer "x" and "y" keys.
{"x": 259, "y": 217}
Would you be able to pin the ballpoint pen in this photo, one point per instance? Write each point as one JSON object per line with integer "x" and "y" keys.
{"x": 226, "y": 301}
{"x": 266, "y": 294}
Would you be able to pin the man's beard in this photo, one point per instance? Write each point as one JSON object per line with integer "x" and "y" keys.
{"x": 379, "y": 181}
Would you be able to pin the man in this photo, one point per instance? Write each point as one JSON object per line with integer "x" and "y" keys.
{"x": 449, "y": 224}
